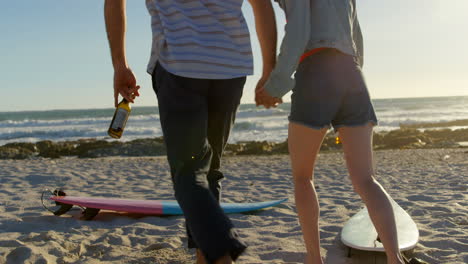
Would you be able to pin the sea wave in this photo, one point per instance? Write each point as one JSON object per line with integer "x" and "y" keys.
{"x": 72, "y": 122}
{"x": 72, "y": 132}
{"x": 275, "y": 124}
{"x": 252, "y": 123}
{"x": 259, "y": 113}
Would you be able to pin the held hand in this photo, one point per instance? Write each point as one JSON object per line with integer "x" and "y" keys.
{"x": 263, "y": 98}
{"x": 258, "y": 88}
{"x": 125, "y": 85}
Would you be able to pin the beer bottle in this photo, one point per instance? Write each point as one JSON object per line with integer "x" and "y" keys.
{"x": 120, "y": 119}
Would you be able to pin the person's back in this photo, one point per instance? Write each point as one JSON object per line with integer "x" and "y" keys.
{"x": 334, "y": 23}
{"x": 201, "y": 55}
{"x": 323, "y": 46}
{"x": 200, "y": 39}
{"x": 331, "y": 24}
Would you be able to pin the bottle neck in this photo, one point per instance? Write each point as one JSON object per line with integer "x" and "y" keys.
{"x": 125, "y": 104}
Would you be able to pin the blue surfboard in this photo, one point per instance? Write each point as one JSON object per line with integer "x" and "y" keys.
{"x": 147, "y": 207}
{"x": 173, "y": 208}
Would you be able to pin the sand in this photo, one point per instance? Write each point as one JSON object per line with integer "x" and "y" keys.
{"x": 431, "y": 185}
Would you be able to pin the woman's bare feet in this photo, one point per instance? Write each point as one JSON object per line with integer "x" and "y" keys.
{"x": 312, "y": 260}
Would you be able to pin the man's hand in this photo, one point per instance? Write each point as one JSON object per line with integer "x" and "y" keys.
{"x": 265, "y": 24}
{"x": 125, "y": 85}
{"x": 263, "y": 98}
{"x": 258, "y": 88}
{"x": 124, "y": 79}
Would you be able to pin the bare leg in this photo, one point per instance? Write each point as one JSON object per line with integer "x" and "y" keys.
{"x": 304, "y": 145}
{"x": 357, "y": 146}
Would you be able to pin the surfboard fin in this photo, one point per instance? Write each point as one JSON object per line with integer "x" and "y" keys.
{"x": 58, "y": 192}
{"x": 63, "y": 208}
{"x": 414, "y": 261}
{"x": 417, "y": 261}
{"x": 89, "y": 213}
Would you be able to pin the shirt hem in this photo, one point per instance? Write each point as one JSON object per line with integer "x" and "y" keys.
{"x": 214, "y": 76}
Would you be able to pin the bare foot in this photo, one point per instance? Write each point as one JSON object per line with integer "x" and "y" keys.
{"x": 311, "y": 260}
{"x": 224, "y": 260}
{"x": 200, "y": 257}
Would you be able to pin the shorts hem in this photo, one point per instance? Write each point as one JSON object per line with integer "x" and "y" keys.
{"x": 316, "y": 127}
{"x": 372, "y": 122}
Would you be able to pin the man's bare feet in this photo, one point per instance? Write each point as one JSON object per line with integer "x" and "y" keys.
{"x": 201, "y": 259}
{"x": 224, "y": 260}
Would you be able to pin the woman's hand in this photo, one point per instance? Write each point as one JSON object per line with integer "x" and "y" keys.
{"x": 263, "y": 98}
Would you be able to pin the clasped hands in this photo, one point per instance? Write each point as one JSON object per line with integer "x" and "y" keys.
{"x": 263, "y": 98}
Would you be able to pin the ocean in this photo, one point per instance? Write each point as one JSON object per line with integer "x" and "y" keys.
{"x": 252, "y": 123}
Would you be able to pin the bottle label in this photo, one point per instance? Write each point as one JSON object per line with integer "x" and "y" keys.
{"x": 120, "y": 118}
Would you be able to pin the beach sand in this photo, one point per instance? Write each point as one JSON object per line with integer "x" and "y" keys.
{"x": 430, "y": 184}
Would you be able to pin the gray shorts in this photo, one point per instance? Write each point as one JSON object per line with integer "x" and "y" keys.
{"x": 330, "y": 91}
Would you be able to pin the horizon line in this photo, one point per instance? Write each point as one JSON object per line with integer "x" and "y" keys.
{"x": 103, "y": 108}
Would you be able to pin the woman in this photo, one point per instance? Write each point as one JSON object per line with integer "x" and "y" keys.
{"x": 323, "y": 44}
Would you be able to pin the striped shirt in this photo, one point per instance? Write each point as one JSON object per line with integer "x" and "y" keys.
{"x": 203, "y": 39}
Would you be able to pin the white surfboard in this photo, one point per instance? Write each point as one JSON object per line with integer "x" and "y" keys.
{"x": 359, "y": 232}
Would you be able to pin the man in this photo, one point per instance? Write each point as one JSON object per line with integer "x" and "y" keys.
{"x": 200, "y": 58}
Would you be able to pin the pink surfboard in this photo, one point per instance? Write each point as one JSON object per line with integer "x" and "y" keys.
{"x": 146, "y": 207}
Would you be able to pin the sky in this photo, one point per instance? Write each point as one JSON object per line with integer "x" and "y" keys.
{"x": 55, "y": 55}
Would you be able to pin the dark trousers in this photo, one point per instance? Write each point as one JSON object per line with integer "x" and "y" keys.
{"x": 196, "y": 119}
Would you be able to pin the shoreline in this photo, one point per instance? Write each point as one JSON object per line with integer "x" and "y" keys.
{"x": 405, "y": 138}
